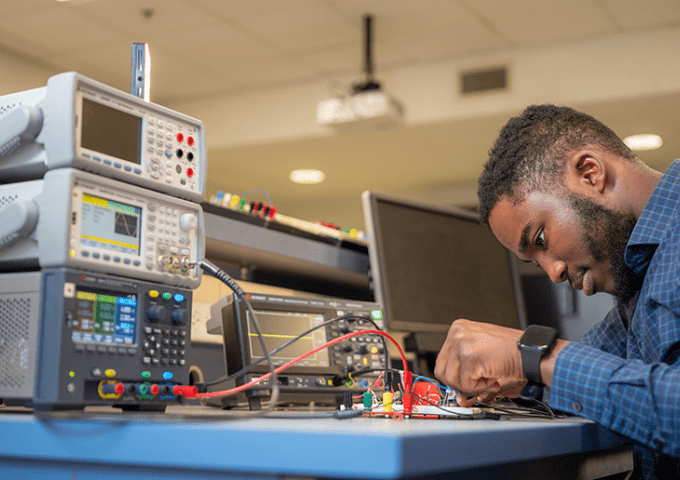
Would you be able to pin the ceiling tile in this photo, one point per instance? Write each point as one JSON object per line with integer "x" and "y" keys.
{"x": 456, "y": 40}
{"x": 557, "y": 23}
{"x": 213, "y": 45}
{"x": 236, "y": 10}
{"x": 402, "y": 11}
{"x": 634, "y": 13}
{"x": 501, "y": 9}
{"x": 58, "y": 29}
{"x": 298, "y": 29}
{"x": 178, "y": 17}
{"x": 13, "y": 7}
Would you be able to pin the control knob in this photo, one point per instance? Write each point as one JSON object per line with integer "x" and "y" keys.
{"x": 180, "y": 316}
{"x": 188, "y": 222}
{"x": 156, "y": 313}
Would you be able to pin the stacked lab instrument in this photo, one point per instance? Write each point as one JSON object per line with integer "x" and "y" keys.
{"x": 100, "y": 232}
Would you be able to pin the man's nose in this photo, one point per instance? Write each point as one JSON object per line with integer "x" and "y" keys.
{"x": 556, "y": 270}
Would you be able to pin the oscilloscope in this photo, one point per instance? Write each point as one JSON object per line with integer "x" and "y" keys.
{"x": 283, "y": 318}
{"x": 78, "y": 122}
{"x": 80, "y": 220}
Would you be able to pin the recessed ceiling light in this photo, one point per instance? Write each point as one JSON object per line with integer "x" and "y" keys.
{"x": 643, "y": 141}
{"x": 307, "y": 176}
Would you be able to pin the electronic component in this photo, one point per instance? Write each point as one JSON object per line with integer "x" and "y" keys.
{"x": 81, "y": 220}
{"x": 283, "y": 318}
{"x": 78, "y": 122}
{"x": 71, "y": 338}
{"x": 268, "y": 215}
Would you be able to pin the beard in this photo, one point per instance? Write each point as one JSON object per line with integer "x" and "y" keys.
{"x": 606, "y": 234}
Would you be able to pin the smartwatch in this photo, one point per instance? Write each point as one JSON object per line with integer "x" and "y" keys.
{"x": 535, "y": 343}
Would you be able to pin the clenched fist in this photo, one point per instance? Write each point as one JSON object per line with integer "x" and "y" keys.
{"x": 482, "y": 361}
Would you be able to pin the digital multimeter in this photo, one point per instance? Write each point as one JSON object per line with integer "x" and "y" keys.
{"x": 78, "y": 122}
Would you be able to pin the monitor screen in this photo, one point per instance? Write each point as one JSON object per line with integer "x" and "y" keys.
{"x": 432, "y": 265}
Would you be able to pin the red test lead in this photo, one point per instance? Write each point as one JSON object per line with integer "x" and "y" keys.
{"x": 190, "y": 391}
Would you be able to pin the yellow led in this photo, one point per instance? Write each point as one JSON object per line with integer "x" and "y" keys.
{"x": 72, "y": 253}
{"x": 110, "y": 372}
{"x": 153, "y": 293}
{"x": 71, "y": 374}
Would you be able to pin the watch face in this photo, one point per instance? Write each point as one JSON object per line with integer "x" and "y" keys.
{"x": 538, "y": 336}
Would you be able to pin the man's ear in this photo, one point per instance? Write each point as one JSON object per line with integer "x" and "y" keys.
{"x": 586, "y": 172}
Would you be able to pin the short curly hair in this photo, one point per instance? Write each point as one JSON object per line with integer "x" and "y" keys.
{"x": 531, "y": 150}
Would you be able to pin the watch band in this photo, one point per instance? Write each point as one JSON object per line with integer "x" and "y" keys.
{"x": 531, "y": 364}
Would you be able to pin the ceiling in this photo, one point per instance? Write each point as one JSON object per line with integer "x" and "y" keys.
{"x": 253, "y": 71}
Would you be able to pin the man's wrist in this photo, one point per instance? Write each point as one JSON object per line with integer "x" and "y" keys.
{"x": 548, "y": 362}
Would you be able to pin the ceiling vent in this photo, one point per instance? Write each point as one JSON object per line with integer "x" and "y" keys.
{"x": 486, "y": 80}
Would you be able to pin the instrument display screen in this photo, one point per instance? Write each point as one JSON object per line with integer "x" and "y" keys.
{"x": 111, "y": 132}
{"x": 280, "y": 327}
{"x": 110, "y": 225}
{"x": 107, "y": 318}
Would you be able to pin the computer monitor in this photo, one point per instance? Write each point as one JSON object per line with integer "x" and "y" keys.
{"x": 431, "y": 265}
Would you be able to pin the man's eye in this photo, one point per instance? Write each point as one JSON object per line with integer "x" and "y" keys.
{"x": 540, "y": 239}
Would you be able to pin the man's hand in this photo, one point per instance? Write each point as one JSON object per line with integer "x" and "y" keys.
{"x": 482, "y": 361}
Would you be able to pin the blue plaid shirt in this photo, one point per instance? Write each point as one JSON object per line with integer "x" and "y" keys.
{"x": 625, "y": 374}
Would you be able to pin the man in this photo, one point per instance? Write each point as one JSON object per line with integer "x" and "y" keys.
{"x": 563, "y": 190}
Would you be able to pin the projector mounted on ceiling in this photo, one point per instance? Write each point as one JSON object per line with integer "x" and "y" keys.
{"x": 367, "y": 106}
{"x": 371, "y": 108}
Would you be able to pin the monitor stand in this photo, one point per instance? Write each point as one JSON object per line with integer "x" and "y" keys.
{"x": 426, "y": 347}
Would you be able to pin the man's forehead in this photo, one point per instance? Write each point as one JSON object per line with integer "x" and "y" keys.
{"x": 511, "y": 218}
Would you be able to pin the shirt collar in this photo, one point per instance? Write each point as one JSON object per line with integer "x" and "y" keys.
{"x": 653, "y": 222}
